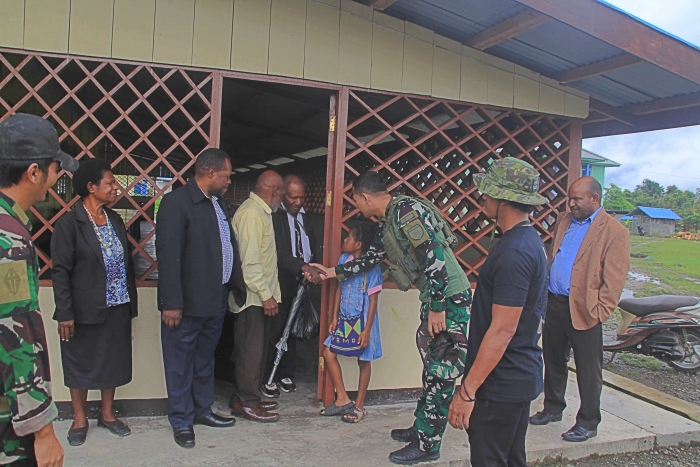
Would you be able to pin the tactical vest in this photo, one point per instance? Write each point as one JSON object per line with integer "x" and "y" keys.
{"x": 405, "y": 268}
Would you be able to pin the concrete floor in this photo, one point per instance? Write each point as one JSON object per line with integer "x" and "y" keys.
{"x": 303, "y": 438}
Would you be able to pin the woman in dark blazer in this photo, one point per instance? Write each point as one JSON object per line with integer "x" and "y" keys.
{"x": 95, "y": 294}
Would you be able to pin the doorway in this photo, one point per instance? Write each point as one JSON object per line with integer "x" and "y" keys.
{"x": 282, "y": 127}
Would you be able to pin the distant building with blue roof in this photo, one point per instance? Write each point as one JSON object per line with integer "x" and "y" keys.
{"x": 657, "y": 222}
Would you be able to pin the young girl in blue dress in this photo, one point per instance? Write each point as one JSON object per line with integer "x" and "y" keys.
{"x": 354, "y": 292}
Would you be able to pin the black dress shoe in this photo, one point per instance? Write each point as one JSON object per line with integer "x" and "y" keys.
{"x": 405, "y": 435}
{"x": 117, "y": 427}
{"x": 215, "y": 421}
{"x": 544, "y": 418}
{"x": 579, "y": 434}
{"x": 76, "y": 436}
{"x": 411, "y": 454}
{"x": 184, "y": 437}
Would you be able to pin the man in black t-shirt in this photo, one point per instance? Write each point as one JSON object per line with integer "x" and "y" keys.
{"x": 503, "y": 371}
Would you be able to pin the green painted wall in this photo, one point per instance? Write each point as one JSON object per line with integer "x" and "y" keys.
{"x": 598, "y": 173}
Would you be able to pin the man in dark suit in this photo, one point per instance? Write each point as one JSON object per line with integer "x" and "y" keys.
{"x": 198, "y": 265}
{"x": 296, "y": 244}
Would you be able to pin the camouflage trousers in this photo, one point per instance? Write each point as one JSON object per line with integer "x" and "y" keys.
{"x": 443, "y": 362}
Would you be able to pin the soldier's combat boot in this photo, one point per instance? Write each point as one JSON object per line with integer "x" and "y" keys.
{"x": 411, "y": 454}
{"x": 405, "y": 435}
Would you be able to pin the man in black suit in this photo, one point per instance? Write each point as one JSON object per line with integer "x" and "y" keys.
{"x": 296, "y": 244}
{"x": 198, "y": 264}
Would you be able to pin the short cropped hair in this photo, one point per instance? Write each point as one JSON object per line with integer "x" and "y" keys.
{"x": 288, "y": 179}
{"x": 595, "y": 188}
{"x": 370, "y": 183}
{"x": 11, "y": 170}
{"x": 91, "y": 170}
{"x": 526, "y": 208}
{"x": 208, "y": 159}
{"x": 365, "y": 233}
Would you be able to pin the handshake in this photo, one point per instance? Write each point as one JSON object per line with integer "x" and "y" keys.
{"x": 317, "y": 273}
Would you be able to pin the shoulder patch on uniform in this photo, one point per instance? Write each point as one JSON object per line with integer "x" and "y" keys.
{"x": 408, "y": 218}
{"x": 14, "y": 282}
{"x": 416, "y": 233}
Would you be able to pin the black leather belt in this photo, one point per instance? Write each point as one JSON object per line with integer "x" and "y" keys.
{"x": 559, "y": 298}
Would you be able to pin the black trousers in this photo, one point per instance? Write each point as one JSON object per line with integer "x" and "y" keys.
{"x": 251, "y": 343}
{"x": 188, "y": 357}
{"x": 497, "y": 433}
{"x": 277, "y": 324}
{"x": 557, "y": 337}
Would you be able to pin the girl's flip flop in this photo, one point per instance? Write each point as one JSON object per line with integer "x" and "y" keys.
{"x": 356, "y": 415}
{"x": 332, "y": 410}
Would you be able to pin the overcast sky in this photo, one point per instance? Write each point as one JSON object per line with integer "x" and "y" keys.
{"x": 670, "y": 157}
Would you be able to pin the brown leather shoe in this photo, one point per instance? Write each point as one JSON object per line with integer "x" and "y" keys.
{"x": 257, "y": 414}
{"x": 269, "y": 405}
{"x": 265, "y": 404}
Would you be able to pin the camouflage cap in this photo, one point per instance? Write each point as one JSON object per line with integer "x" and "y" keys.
{"x": 511, "y": 179}
{"x": 26, "y": 137}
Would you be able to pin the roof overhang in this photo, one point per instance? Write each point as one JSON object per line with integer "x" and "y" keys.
{"x": 639, "y": 77}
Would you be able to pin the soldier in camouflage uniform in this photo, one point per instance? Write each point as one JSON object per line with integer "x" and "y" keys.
{"x": 30, "y": 158}
{"x": 415, "y": 238}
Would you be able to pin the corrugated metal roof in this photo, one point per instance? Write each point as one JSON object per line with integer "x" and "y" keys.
{"x": 458, "y": 19}
{"x": 659, "y": 213}
{"x": 537, "y": 50}
{"x": 653, "y": 81}
{"x": 587, "y": 156}
{"x": 612, "y": 92}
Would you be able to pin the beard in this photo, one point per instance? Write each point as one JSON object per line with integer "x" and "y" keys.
{"x": 218, "y": 193}
{"x": 275, "y": 205}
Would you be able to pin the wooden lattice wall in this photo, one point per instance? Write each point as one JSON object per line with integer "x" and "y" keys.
{"x": 149, "y": 122}
{"x": 431, "y": 148}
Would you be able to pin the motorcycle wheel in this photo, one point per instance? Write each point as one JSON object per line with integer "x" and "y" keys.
{"x": 691, "y": 362}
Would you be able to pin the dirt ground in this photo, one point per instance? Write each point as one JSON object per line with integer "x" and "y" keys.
{"x": 648, "y": 370}
{"x": 683, "y": 456}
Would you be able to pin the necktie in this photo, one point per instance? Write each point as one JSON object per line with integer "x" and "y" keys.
{"x": 297, "y": 232}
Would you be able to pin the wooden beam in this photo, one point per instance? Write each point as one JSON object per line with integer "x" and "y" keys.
{"x": 612, "y": 112}
{"x": 598, "y": 68}
{"x": 658, "y": 121}
{"x": 507, "y": 29}
{"x": 381, "y": 4}
{"x": 670, "y": 103}
{"x": 624, "y": 32}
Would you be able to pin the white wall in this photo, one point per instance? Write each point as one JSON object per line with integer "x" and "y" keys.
{"x": 148, "y": 378}
{"x": 400, "y": 367}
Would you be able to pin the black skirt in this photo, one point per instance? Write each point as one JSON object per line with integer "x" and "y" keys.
{"x": 98, "y": 356}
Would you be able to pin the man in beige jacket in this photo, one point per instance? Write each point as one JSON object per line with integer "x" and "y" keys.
{"x": 253, "y": 227}
{"x": 589, "y": 260}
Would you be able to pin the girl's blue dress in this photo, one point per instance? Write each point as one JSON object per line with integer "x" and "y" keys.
{"x": 351, "y": 297}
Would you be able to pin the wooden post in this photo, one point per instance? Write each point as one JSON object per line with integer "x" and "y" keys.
{"x": 335, "y": 176}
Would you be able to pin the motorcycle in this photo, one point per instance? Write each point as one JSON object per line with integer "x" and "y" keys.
{"x": 666, "y": 327}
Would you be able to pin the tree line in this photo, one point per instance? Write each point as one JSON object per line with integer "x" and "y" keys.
{"x": 649, "y": 193}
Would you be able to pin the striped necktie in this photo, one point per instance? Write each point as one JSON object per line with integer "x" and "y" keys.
{"x": 300, "y": 245}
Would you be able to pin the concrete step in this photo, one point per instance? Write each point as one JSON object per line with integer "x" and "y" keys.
{"x": 303, "y": 438}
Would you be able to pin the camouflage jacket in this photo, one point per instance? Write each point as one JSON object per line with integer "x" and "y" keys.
{"x": 26, "y": 405}
{"x": 430, "y": 254}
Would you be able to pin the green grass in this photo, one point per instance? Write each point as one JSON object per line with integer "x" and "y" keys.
{"x": 640, "y": 361}
{"x": 673, "y": 262}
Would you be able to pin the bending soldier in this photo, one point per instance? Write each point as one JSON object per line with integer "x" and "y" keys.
{"x": 415, "y": 238}
{"x": 30, "y": 158}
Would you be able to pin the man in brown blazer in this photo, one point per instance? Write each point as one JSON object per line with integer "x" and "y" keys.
{"x": 589, "y": 260}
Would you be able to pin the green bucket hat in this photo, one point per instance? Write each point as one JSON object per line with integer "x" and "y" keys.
{"x": 511, "y": 179}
